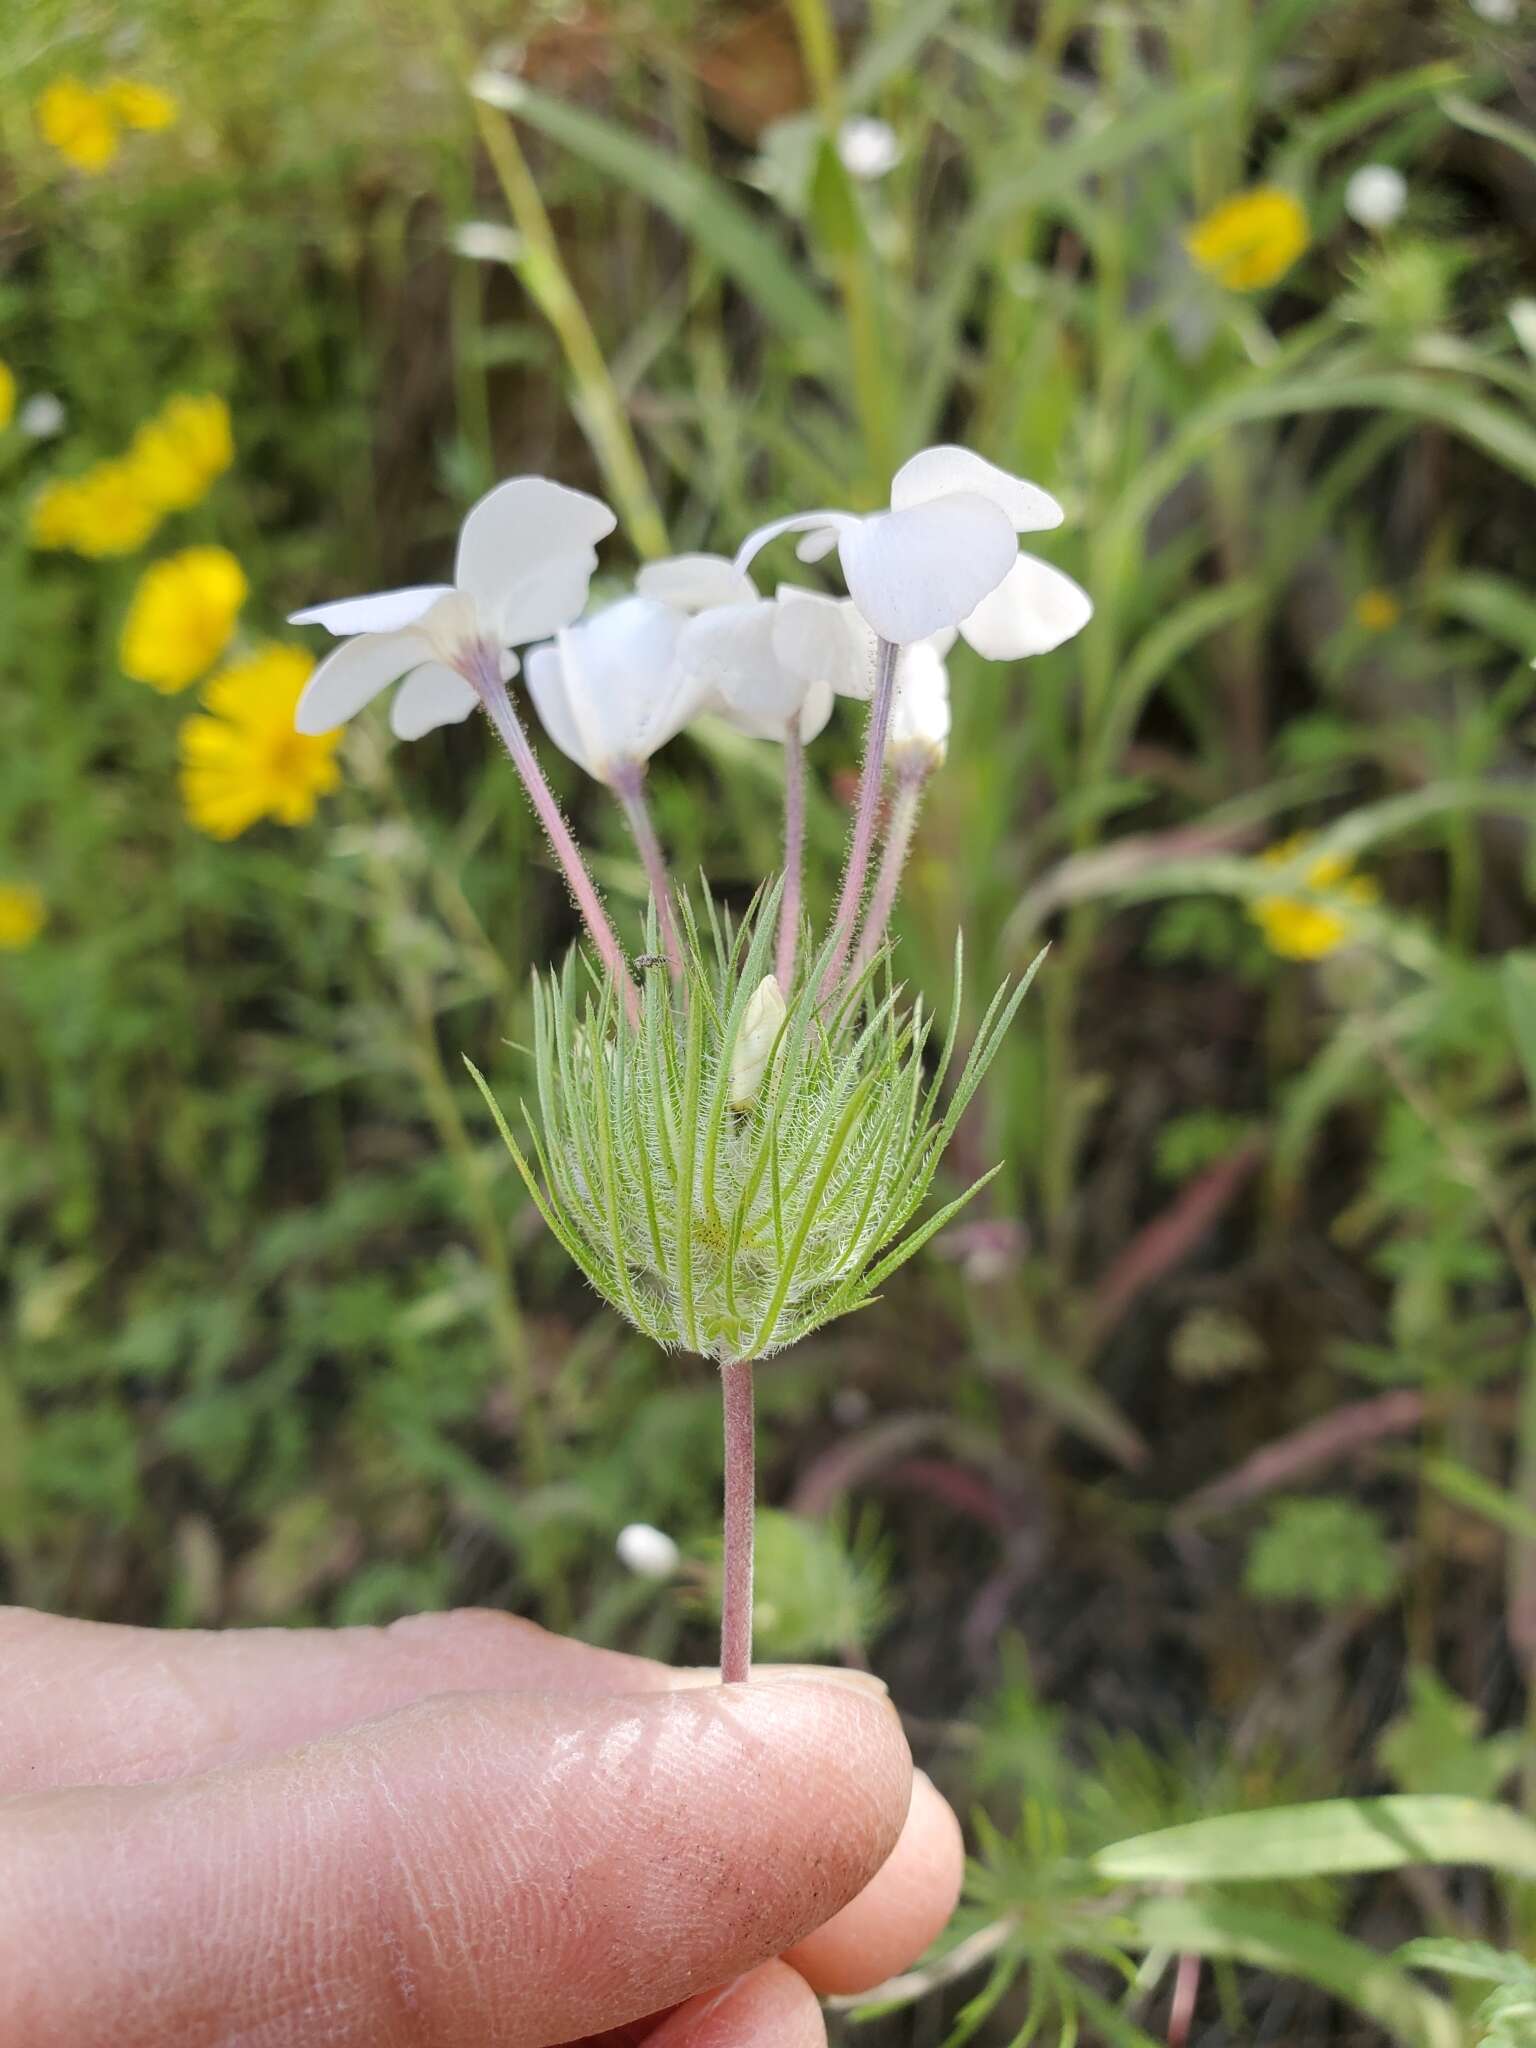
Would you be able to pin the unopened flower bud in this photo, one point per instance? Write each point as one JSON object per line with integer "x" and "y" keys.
{"x": 755, "y": 1041}
{"x": 649, "y": 1553}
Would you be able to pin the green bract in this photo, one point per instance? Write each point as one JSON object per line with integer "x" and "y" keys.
{"x": 733, "y": 1232}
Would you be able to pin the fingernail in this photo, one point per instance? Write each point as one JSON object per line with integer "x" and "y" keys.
{"x": 825, "y": 1674}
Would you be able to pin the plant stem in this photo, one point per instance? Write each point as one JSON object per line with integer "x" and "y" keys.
{"x": 629, "y": 788}
{"x": 911, "y": 778}
{"x": 485, "y": 675}
{"x": 794, "y": 854}
{"x": 859, "y": 847}
{"x": 740, "y": 1511}
{"x": 547, "y": 281}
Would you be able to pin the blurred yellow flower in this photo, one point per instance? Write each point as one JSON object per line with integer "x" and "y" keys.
{"x": 241, "y": 759}
{"x": 103, "y": 512}
{"x": 141, "y": 106}
{"x": 23, "y": 914}
{"x": 1299, "y": 930}
{"x": 1377, "y": 610}
{"x": 7, "y": 394}
{"x": 177, "y": 454}
{"x": 181, "y": 618}
{"x": 1250, "y": 241}
{"x": 79, "y": 123}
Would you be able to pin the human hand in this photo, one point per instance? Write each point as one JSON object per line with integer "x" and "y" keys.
{"x": 458, "y": 1832}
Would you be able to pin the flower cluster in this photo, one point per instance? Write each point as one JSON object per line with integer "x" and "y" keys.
{"x": 734, "y": 1149}
{"x": 85, "y": 123}
{"x": 116, "y": 506}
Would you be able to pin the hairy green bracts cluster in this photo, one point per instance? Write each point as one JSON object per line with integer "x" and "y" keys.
{"x": 734, "y": 1231}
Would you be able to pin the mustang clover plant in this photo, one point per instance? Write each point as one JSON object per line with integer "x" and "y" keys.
{"x": 736, "y": 1148}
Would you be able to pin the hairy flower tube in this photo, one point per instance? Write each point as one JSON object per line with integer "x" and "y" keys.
{"x": 740, "y": 1149}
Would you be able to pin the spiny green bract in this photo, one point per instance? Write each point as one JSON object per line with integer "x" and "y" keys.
{"x": 735, "y": 1232}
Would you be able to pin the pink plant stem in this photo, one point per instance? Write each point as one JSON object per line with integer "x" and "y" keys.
{"x": 859, "y": 847}
{"x": 629, "y": 788}
{"x": 794, "y": 854}
{"x": 905, "y": 805}
{"x": 740, "y": 1512}
{"x": 483, "y": 672}
{"x": 1186, "y": 1989}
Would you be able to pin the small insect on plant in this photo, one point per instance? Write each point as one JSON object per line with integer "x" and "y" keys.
{"x": 735, "y": 1148}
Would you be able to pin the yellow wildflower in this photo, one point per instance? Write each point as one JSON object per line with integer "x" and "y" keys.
{"x": 241, "y": 759}
{"x": 1250, "y": 241}
{"x": 7, "y": 394}
{"x": 181, "y": 618}
{"x": 79, "y": 123}
{"x": 103, "y": 512}
{"x": 177, "y": 454}
{"x": 141, "y": 106}
{"x": 1299, "y": 930}
{"x": 1377, "y": 610}
{"x": 23, "y": 914}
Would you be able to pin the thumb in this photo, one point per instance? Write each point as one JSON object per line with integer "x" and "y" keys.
{"x": 515, "y": 1871}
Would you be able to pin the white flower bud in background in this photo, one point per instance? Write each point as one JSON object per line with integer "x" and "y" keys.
{"x": 487, "y": 241}
{"x": 1500, "y": 12}
{"x": 867, "y": 147}
{"x": 920, "y": 714}
{"x": 649, "y": 1553}
{"x": 42, "y": 416}
{"x": 1376, "y": 195}
{"x": 760, "y": 1026}
{"x": 1522, "y": 317}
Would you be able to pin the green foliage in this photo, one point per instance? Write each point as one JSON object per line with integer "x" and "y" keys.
{"x": 1437, "y": 1744}
{"x": 822, "y": 1588}
{"x": 1333, "y": 1552}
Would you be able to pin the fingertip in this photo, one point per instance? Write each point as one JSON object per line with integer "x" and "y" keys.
{"x": 899, "y": 1912}
{"x": 772, "y": 2007}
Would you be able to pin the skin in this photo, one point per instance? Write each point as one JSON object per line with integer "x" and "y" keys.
{"x": 458, "y": 1830}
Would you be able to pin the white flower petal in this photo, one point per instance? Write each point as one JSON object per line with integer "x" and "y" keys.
{"x": 823, "y": 639}
{"x": 544, "y": 673}
{"x": 694, "y": 583}
{"x": 797, "y": 522}
{"x": 429, "y": 697}
{"x": 817, "y": 546}
{"x": 352, "y": 675}
{"x": 938, "y": 472}
{"x": 1034, "y": 609}
{"x": 524, "y": 522}
{"x": 815, "y": 711}
{"x": 649, "y": 1553}
{"x": 730, "y": 650}
{"x": 386, "y": 612}
{"x": 550, "y": 596}
{"x": 868, "y": 147}
{"x": 619, "y": 691}
{"x": 913, "y": 572}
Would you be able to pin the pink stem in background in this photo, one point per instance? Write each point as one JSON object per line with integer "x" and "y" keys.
{"x": 740, "y": 1511}
{"x": 859, "y": 847}
{"x": 907, "y": 800}
{"x": 629, "y": 788}
{"x": 483, "y": 672}
{"x": 1186, "y": 1989}
{"x": 794, "y": 854}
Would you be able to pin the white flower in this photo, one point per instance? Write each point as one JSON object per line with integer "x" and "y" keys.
{"x": 1376, "y": 195}
{"x": 42, "y": 416}
{"x": 525, "y": 560}
{"x": 761, "y": 1023}
{"x": 649, "y": 1553}
{"x": 868, "y": 147}
{"x": 919, "y": 735}
{"x": 695, "y": 583}
{"x": 1521, "y": 314}
{"x": 774, "y": 661}
{"x": 947, "y": 555}
{"x": 611, "y": 691}
{"x": 1500, "y": 12}
{"x": 487, "y": 241}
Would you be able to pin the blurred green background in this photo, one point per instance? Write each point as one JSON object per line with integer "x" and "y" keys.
{"x": 1196, "y": 1467}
